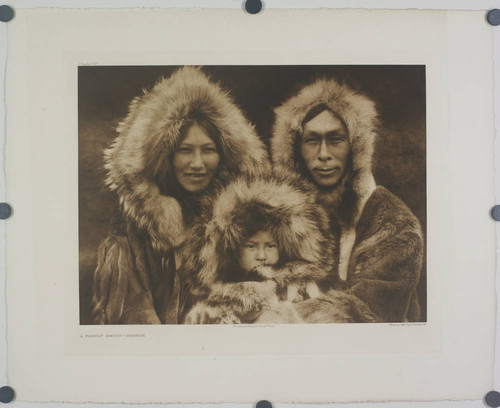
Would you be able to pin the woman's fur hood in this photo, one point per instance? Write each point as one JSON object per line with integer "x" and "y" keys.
{"x": 138, "y": 161}
{"x": 360, "y": 118}
{"x": 287, "y": 204}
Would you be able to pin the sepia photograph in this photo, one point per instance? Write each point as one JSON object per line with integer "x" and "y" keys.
{"x": 293, "y": 206}
{"x": 252, "y": 194}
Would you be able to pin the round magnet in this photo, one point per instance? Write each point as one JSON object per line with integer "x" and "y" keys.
{"x": 492, "y": 399}
{"x": 495, "y": 212}
{"x": 6, "y": 13}
{"x": 6, "y": 394}
{"x": 253, "y": 6}
{"x": 493, "y": 17}
{"x": 5, "y": 211}
{"x": 264, "y": 404}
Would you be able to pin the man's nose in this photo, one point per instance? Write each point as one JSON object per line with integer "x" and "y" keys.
{"x": 323, "y": 153}
{"x": 196, "y": 161}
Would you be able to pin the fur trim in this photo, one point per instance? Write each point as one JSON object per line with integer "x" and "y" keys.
{"x": 147, "y": 137}
{"x": 203, "y": 313}
{"x": 385, "y": 264}
{"x": 332, "y": 307}
{"x": 335, "y": 307}
{"x": 282, "y": 313}
{"x": 360, "y": 117}
{"x": 300, "y": 226}
{"x": 113, "y": 259}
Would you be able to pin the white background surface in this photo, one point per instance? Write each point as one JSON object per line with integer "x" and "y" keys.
{"x": 436, "y": 4}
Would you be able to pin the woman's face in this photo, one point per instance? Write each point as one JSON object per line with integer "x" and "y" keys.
{"x": 196, "y": 160}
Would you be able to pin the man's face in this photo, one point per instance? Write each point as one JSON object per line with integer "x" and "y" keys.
{"x": 325, "y": 148}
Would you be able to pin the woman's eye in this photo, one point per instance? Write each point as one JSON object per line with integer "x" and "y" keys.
{"x": 184, "y": 150}
{"x": 210, "y": 150}
{"x": 271, "y": 245}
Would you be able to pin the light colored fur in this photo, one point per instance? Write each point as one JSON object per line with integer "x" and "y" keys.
{"x": 299, "y": 226}
{"x": 360, "y": 117}
{"x": 301, "y": 232}
{"x": 137, "y": 165}
{"x": 148, "y": 136}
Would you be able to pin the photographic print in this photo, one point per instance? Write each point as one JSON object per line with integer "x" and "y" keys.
{"x": 252, "y": 194}
{"x": 293, "y": 216}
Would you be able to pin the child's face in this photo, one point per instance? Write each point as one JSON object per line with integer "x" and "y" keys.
{"x": 259, "y": 250}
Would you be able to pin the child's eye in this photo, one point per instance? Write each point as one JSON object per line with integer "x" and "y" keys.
{"x": 271, "y": 245}
{"x": 210, "y": 150}
{"x": 251, "y": 246}
{"x": 184, "y": 150}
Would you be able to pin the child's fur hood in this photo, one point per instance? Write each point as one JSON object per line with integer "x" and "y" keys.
{"x": 138, "y": 161}
{"x": 359, "y": 116}
{"x": 287, "y": 202}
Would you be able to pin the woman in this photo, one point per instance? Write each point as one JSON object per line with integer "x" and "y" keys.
{"x": 177, "y": 143}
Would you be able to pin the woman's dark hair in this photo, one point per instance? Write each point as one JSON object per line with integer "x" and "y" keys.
{"x": 197, "y": 118}
{"x": 190, "y": 202}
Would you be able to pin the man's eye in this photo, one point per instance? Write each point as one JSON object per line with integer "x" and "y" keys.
{"x": 335, "y": 139}
{"x": 312, "y": 140}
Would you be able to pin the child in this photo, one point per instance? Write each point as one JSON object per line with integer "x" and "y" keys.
{"x": 266, "y": 242}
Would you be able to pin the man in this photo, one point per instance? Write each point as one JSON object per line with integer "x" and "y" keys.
{"x": 326, "y": 133}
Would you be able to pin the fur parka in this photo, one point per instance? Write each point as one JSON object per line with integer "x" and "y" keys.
{"x": 285, "y": 205}
{"x": 380, "y": 240}
{"x": 135, "y": 281}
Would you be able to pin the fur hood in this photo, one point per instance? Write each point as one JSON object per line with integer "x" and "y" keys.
{"x": 360, "y": 118}
{"x": 138, "y": 161}
{"x": 287, "y": 204}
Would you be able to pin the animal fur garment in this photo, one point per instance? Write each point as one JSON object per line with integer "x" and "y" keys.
{"x": 301, "y": 229}
{"x": 151, "y": 222}
{"x": 332, "y": 307}
{"x": 360, "y": 118}
{"x": 380, "y": 240}
{"x": 139, "y": 159}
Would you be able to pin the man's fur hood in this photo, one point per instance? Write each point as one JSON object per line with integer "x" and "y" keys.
{"x": 287, "y": 204}
{"x": 360, "y": 118}
{"x": 138, "y": 161}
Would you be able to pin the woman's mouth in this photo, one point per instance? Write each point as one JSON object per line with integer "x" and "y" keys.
{"x": 195, "y": 175}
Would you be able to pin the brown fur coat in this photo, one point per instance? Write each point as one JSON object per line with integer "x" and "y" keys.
{"x": 290, "y": 291}
{"x": 135, "y": 281}
{"x": 380, "y": 240}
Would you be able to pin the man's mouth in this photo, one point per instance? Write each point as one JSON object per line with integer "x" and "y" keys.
{"x": 325, "y": 171}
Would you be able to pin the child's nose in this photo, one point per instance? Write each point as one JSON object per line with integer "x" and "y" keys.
{"x": 261, "y": 254}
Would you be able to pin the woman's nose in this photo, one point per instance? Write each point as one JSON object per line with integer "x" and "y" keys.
{"x": 196, "y": 161}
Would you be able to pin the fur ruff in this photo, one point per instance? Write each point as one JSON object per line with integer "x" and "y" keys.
{"x": 360, "y": 117}
{"x": 300, "y": 226}
{"x": 332, "y": 307}
{"x": 387, "y": 260}
{"x": 138, "y": 160}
